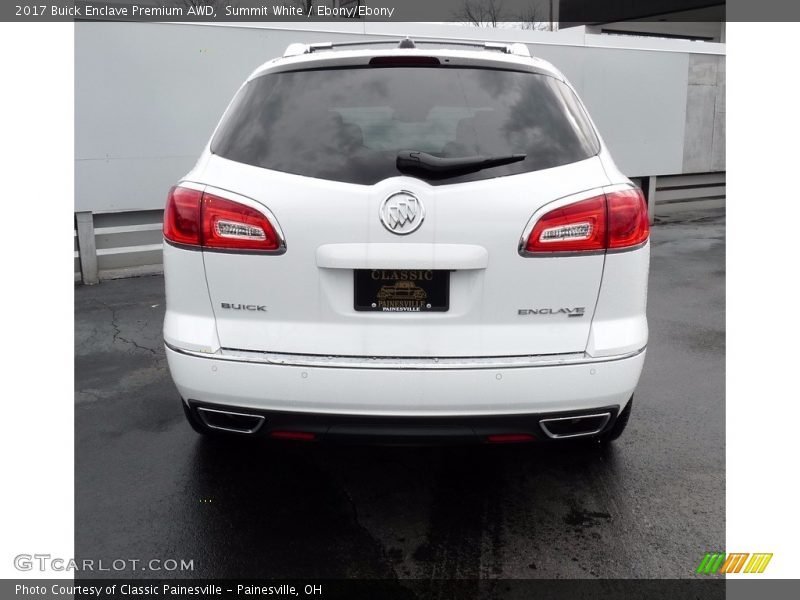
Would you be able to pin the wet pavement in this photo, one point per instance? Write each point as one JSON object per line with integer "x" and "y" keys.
{"x": 651, "y": 505}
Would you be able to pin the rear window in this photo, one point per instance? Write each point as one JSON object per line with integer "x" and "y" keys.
{"x": 349, "y": 124}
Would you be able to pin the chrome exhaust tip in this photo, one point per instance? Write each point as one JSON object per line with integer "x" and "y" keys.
{"x": 235, "y": 422}
{"x": 575, "y": 426}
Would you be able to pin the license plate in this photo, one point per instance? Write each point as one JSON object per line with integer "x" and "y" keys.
{"x": 402, "y": 290}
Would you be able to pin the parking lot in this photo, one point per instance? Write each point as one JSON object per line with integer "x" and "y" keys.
{"x": 147, "y": 486}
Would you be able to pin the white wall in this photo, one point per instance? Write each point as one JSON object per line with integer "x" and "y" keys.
{"x": 147, "y": 95}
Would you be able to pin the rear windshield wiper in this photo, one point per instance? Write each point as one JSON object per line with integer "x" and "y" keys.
{"x": 415, "y": 160}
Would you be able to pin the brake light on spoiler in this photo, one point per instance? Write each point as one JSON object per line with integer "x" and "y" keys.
{"x": 611, "y": 221}
{"x": 209, "y": 221}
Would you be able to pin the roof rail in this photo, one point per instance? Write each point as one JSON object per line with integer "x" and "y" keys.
{"x": 297, "y": 49}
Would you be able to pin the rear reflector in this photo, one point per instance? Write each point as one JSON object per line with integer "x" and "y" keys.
{"x": 194, "y": 218}
{"x": 303, "y": 436}
{"x": 614, "y": 220}
{"x": 510, "y": 438}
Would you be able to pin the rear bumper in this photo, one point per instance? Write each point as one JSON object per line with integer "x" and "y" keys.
{"x": 320, "y": 427}
{"x": 406, "y": 393}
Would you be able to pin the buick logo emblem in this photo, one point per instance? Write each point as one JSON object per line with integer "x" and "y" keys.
{"x": 402, "y": 213}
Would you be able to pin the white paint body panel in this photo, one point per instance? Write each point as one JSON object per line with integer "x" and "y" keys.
{"x": 310, "y": 308}
{"x": 408, "y": 256}
{"x": 189, "y": 321}
{"x": 471, "y": 228}
{"x": 395, "y": 392}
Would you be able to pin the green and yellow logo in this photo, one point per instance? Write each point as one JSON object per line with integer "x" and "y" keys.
{"x": 719, "y": 562}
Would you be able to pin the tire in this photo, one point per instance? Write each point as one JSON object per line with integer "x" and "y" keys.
{"x": 195, "y": 421}
{"x": 619, "y": 425}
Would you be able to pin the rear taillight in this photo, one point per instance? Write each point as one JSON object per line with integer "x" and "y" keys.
{"x": 628, "y": 221}
{"x": 182, "y": 216}
{"x": 610, "y": 221}
{"x": 571, "y": 228}
{"x": 229, "y": 224}
{"x": 200, "y": 219}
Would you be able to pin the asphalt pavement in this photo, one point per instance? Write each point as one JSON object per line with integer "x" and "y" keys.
{"x": 651, "y": 505}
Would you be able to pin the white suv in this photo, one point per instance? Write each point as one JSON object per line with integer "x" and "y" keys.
{"x": 417, "y": 243}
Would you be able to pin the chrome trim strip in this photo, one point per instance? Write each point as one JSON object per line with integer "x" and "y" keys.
{"x": 201, "y": 410}
{"x": 527, "y": 254}
{"x": 618, "y": 187}
{"x": 628, "y": 248}
{"x": 406, "y": 363}
{"x": 182, "y": 246}
{"x": 556, "y": 436}
{"x": 192, "y": 185}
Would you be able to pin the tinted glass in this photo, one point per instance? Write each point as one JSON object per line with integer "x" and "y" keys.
{"x": 349, "y": 124}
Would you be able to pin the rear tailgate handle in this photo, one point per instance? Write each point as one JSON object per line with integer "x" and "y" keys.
{"x": 402, "y": 256}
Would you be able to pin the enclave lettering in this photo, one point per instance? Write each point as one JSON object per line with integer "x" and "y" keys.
{"x": 578, "y": 311}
